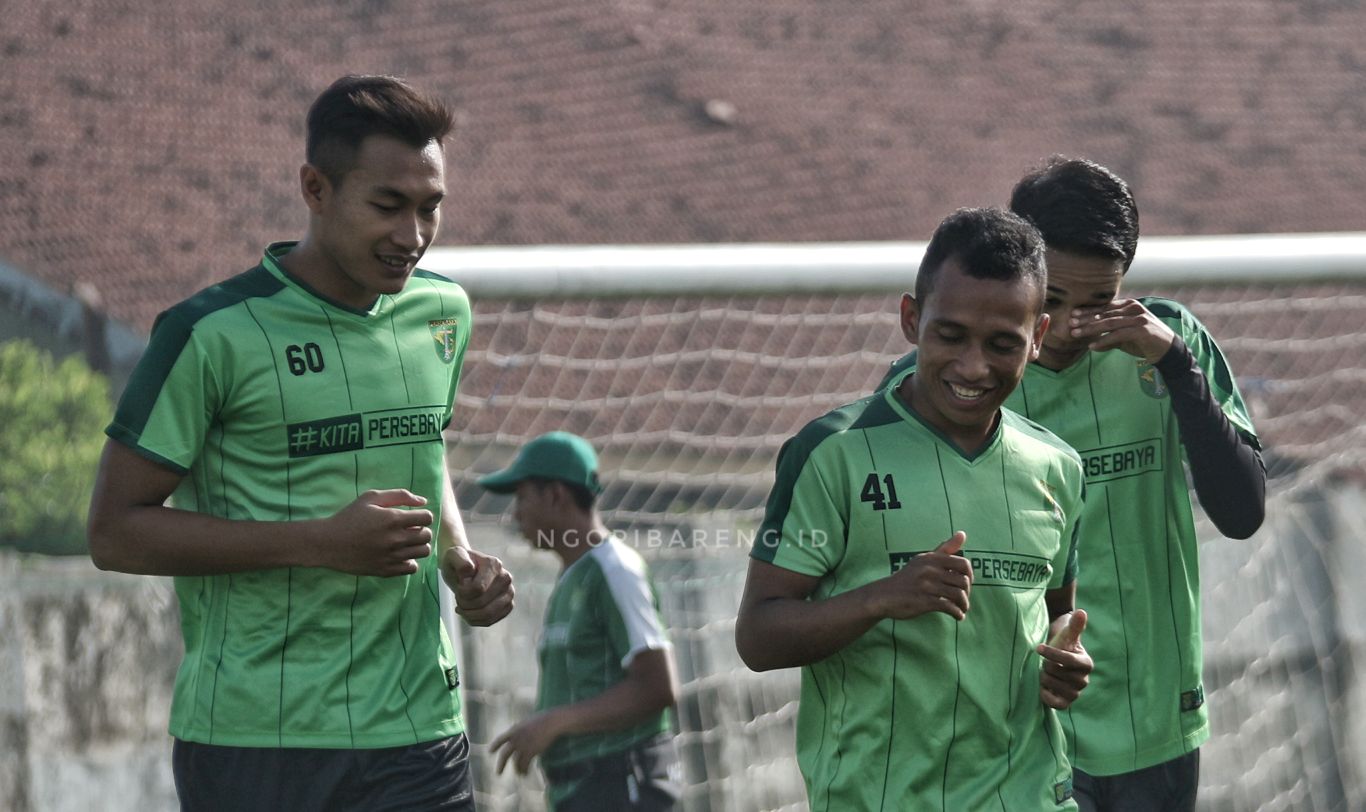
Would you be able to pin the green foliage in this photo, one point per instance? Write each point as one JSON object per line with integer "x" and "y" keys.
{"x": 52, "y": 417}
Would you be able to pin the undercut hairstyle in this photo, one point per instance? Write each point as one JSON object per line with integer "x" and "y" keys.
{"x": 988, "y": 243}
{"x": 584, "y": 499}
{"x": 1080, "y": 207}
{"x": 356, "y": 107}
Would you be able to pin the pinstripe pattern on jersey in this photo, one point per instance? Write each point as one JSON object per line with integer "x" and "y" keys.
{"x": 1141, "y": 589}
{"x": 262, "y": 665}
{"x": 898, "y": 719}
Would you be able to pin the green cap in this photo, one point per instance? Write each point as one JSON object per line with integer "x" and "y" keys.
{"x": 557, "y": 455}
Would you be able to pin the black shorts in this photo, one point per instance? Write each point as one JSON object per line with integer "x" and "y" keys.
{"x": 646, "y": 778}
{"x": 1166, "y": 787}
{"x": 428, "y": 776}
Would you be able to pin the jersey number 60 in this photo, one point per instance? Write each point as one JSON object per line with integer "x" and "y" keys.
{"x": 308, "y": 358}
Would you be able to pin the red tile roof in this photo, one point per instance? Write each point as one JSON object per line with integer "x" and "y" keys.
{"x": 153, "y": 149}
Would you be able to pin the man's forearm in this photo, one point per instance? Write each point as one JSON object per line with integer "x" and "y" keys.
{"x": 131, "y": 529}
{"x": 159, "y": 540}
{"x": 620, "y": 707}
{"x": 792, "y": 632}
{"x": 1227, "y": 471}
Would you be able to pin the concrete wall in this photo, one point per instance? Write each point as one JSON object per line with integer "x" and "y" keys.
{"x": 87, "y": 661}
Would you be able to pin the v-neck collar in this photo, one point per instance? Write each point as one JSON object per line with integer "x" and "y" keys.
{"x": 271, "y": 261}
{"x": 908, "y": 413}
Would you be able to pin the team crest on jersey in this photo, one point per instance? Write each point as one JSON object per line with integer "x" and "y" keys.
{"x": 1150, "y": 380}
{"x": 443, "y": 333}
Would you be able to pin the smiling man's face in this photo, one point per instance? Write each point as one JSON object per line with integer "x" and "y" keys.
{"x": 377, "y": 220}
{"x": 973, "y": 339}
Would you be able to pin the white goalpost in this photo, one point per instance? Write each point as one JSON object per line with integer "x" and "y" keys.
{"x": 688, "y": 366}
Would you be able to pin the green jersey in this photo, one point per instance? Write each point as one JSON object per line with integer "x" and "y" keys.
{"x": 603, "y": 612}
{"x": 276, "y": 404}
{"x": 1145, "y": 702}
{"x": 928, "y": 713}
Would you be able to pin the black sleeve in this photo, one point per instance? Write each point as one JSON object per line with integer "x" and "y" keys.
{"x": 1228, "y": 471}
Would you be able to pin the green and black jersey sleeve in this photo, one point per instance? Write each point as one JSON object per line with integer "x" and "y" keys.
{"x": 1226, "y": 467}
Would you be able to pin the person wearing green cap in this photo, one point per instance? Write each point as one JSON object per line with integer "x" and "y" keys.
{"x": 602, "y": 725}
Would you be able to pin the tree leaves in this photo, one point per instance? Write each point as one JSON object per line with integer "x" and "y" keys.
{"x": 52, "y": 416}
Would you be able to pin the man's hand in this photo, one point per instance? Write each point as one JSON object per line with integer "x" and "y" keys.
{"x": 937, "y": 581}
{"x": 1123, "y": 324}
{"x": 482, "y": 586}
{"x": 375, "y": 535}
{"x": 1066, "y": 665}
{"x": 526, "y": 740}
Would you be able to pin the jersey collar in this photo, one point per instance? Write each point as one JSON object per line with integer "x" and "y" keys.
{"x": 909, "y": 414}
{"x": 1081, "y": 367}
{"x": 271, "y": 261}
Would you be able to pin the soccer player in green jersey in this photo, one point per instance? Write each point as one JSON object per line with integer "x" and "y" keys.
{"x": 1135, "y": 385}
{"x": 601, "y": 727}
{"x": 293, "y": 417}
{"x": 917, "y": 558}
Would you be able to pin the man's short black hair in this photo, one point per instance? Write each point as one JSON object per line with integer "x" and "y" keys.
{"x": 1080, "y": 207}
{"x": 989, "y": 243}
{"x": 356, "y": 107}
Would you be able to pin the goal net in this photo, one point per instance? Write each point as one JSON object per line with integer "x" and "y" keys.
{"x": 689, "y": 397}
